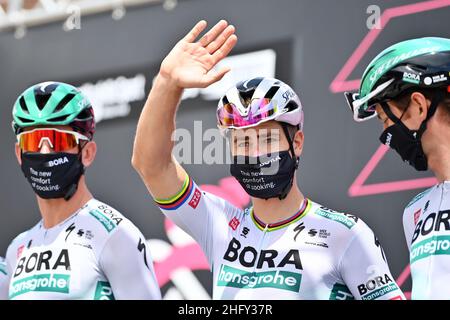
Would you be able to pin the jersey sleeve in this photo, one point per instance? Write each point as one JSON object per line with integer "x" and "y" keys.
{"x": 10, "y": 263}
{"x": 4, "y": 280}
{"x": 126, "y": 262}
{"x": 408, "y": 227}
{"x": 412, "y": 214}
{"x": 200, "y": 214}
{"x": 364, "y": 268}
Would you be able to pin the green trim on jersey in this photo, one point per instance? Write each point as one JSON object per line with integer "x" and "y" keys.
{"x": 103, "y": 291}
{"x": 3, "y": 268}
{"x": 109, "y": 224}
{"x": 336, "y": 216}
{"x": 419, "y": 196}
{"x": 341, "y": 292}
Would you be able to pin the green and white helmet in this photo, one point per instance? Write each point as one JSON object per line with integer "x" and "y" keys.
{"x": 416, "y": 63}
{"x": 53, "y": 104}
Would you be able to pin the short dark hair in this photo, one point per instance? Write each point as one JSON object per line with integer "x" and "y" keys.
{"x": 292, "y": 130}
{"x": 403, "y": 100}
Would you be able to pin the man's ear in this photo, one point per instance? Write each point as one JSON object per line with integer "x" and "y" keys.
{"x": 298, "y": 143}
{"x": 88, "y": 153}
{"x": 18, "y": 153}
{"x": 419, "y": 105}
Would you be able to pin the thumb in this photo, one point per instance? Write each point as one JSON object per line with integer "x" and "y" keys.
{"x": 215, "y": 76}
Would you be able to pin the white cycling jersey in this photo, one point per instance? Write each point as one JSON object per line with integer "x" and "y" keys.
{"x": 3, "y": 280}
{"x": 426, "y": 221}
{"x": 94, "y": 254}
{"x": 316, "y": 254}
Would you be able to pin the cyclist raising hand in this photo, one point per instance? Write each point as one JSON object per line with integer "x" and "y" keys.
{"x": 286, "y": 246}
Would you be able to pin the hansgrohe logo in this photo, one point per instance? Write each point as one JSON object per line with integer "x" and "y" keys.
{"x": 341, "y": 218}
{"x": 104, "y": 220}
{"x": 433, "y": 246}
{"x": 380, "y": 292}
{"x": 42, "y": 283}
{"x": 236, "y": 278}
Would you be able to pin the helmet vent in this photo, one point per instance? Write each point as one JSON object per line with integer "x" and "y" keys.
{"x": 57, "y": 119}
{"x": 64, "y": 102}
{"x": 271, "y": 92}
{"x": 23, "y": 105}
{"x": 291, "y": 106}
{"x": 41, "y": 100}
{"x": 246, "y": 97}
{"x": 86, "y": 114}
{"x": 25, "y": 120}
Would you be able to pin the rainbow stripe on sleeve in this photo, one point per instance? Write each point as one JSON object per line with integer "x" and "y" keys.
{"x": 177, "y": 200}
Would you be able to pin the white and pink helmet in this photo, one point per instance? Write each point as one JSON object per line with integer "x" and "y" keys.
{"x": 253, "y": 101}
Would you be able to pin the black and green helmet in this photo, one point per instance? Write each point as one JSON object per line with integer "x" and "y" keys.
{"x": 53, "y": 104}
{"x": 416, "y": 63}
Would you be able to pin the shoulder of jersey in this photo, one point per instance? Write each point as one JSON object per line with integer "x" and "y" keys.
{"x": 418, "y": 197}
{"x": 338, "y": 220}
{"x": 101, "y": 217}
{"x": 22, "y": 238}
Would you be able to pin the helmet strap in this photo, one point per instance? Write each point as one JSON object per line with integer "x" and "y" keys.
{"x": 436, "y": 100}
{"x": 73, "y": 188}
{"x": 286, "y": 190}
{"x": 291, "y": 143}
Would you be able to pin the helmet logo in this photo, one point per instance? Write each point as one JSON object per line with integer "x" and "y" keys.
{"x": 439, "y": 78}
{"x": 435, "y": 79}
{"x": 411, "y": 77}
{"x": 397, "y": 59}
{"x": 287, "y": 95}
{"x": 83, "y": 103}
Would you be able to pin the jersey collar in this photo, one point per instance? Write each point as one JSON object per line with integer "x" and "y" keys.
{"x": 304, "y": 208}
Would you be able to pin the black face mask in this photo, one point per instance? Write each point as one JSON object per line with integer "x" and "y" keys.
{"x": 265, "y": 177}
{"x": 407, "y": 142}
{"x": 53, "y": 175}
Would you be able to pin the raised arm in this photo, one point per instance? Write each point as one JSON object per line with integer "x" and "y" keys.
{"x": 188, "y": 65}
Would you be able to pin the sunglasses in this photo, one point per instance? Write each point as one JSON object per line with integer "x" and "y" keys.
{"x": 356, "y": 103}
{"x": 259, "y": 109}
{"x": 59, "y": 140}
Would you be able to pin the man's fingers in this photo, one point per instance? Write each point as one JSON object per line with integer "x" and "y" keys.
{"x": 213, "y": 77}
{"x": 213, "y": 33}
{"x": 220, "y": 40}
{"x": 225, "y": 49}
{"x": 195, "y": 31}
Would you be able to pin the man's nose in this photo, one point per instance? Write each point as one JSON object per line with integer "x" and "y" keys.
{"x": 253, "y": 151}
{"x": 259, "y": 150}
{"x": 45, "y": 147}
